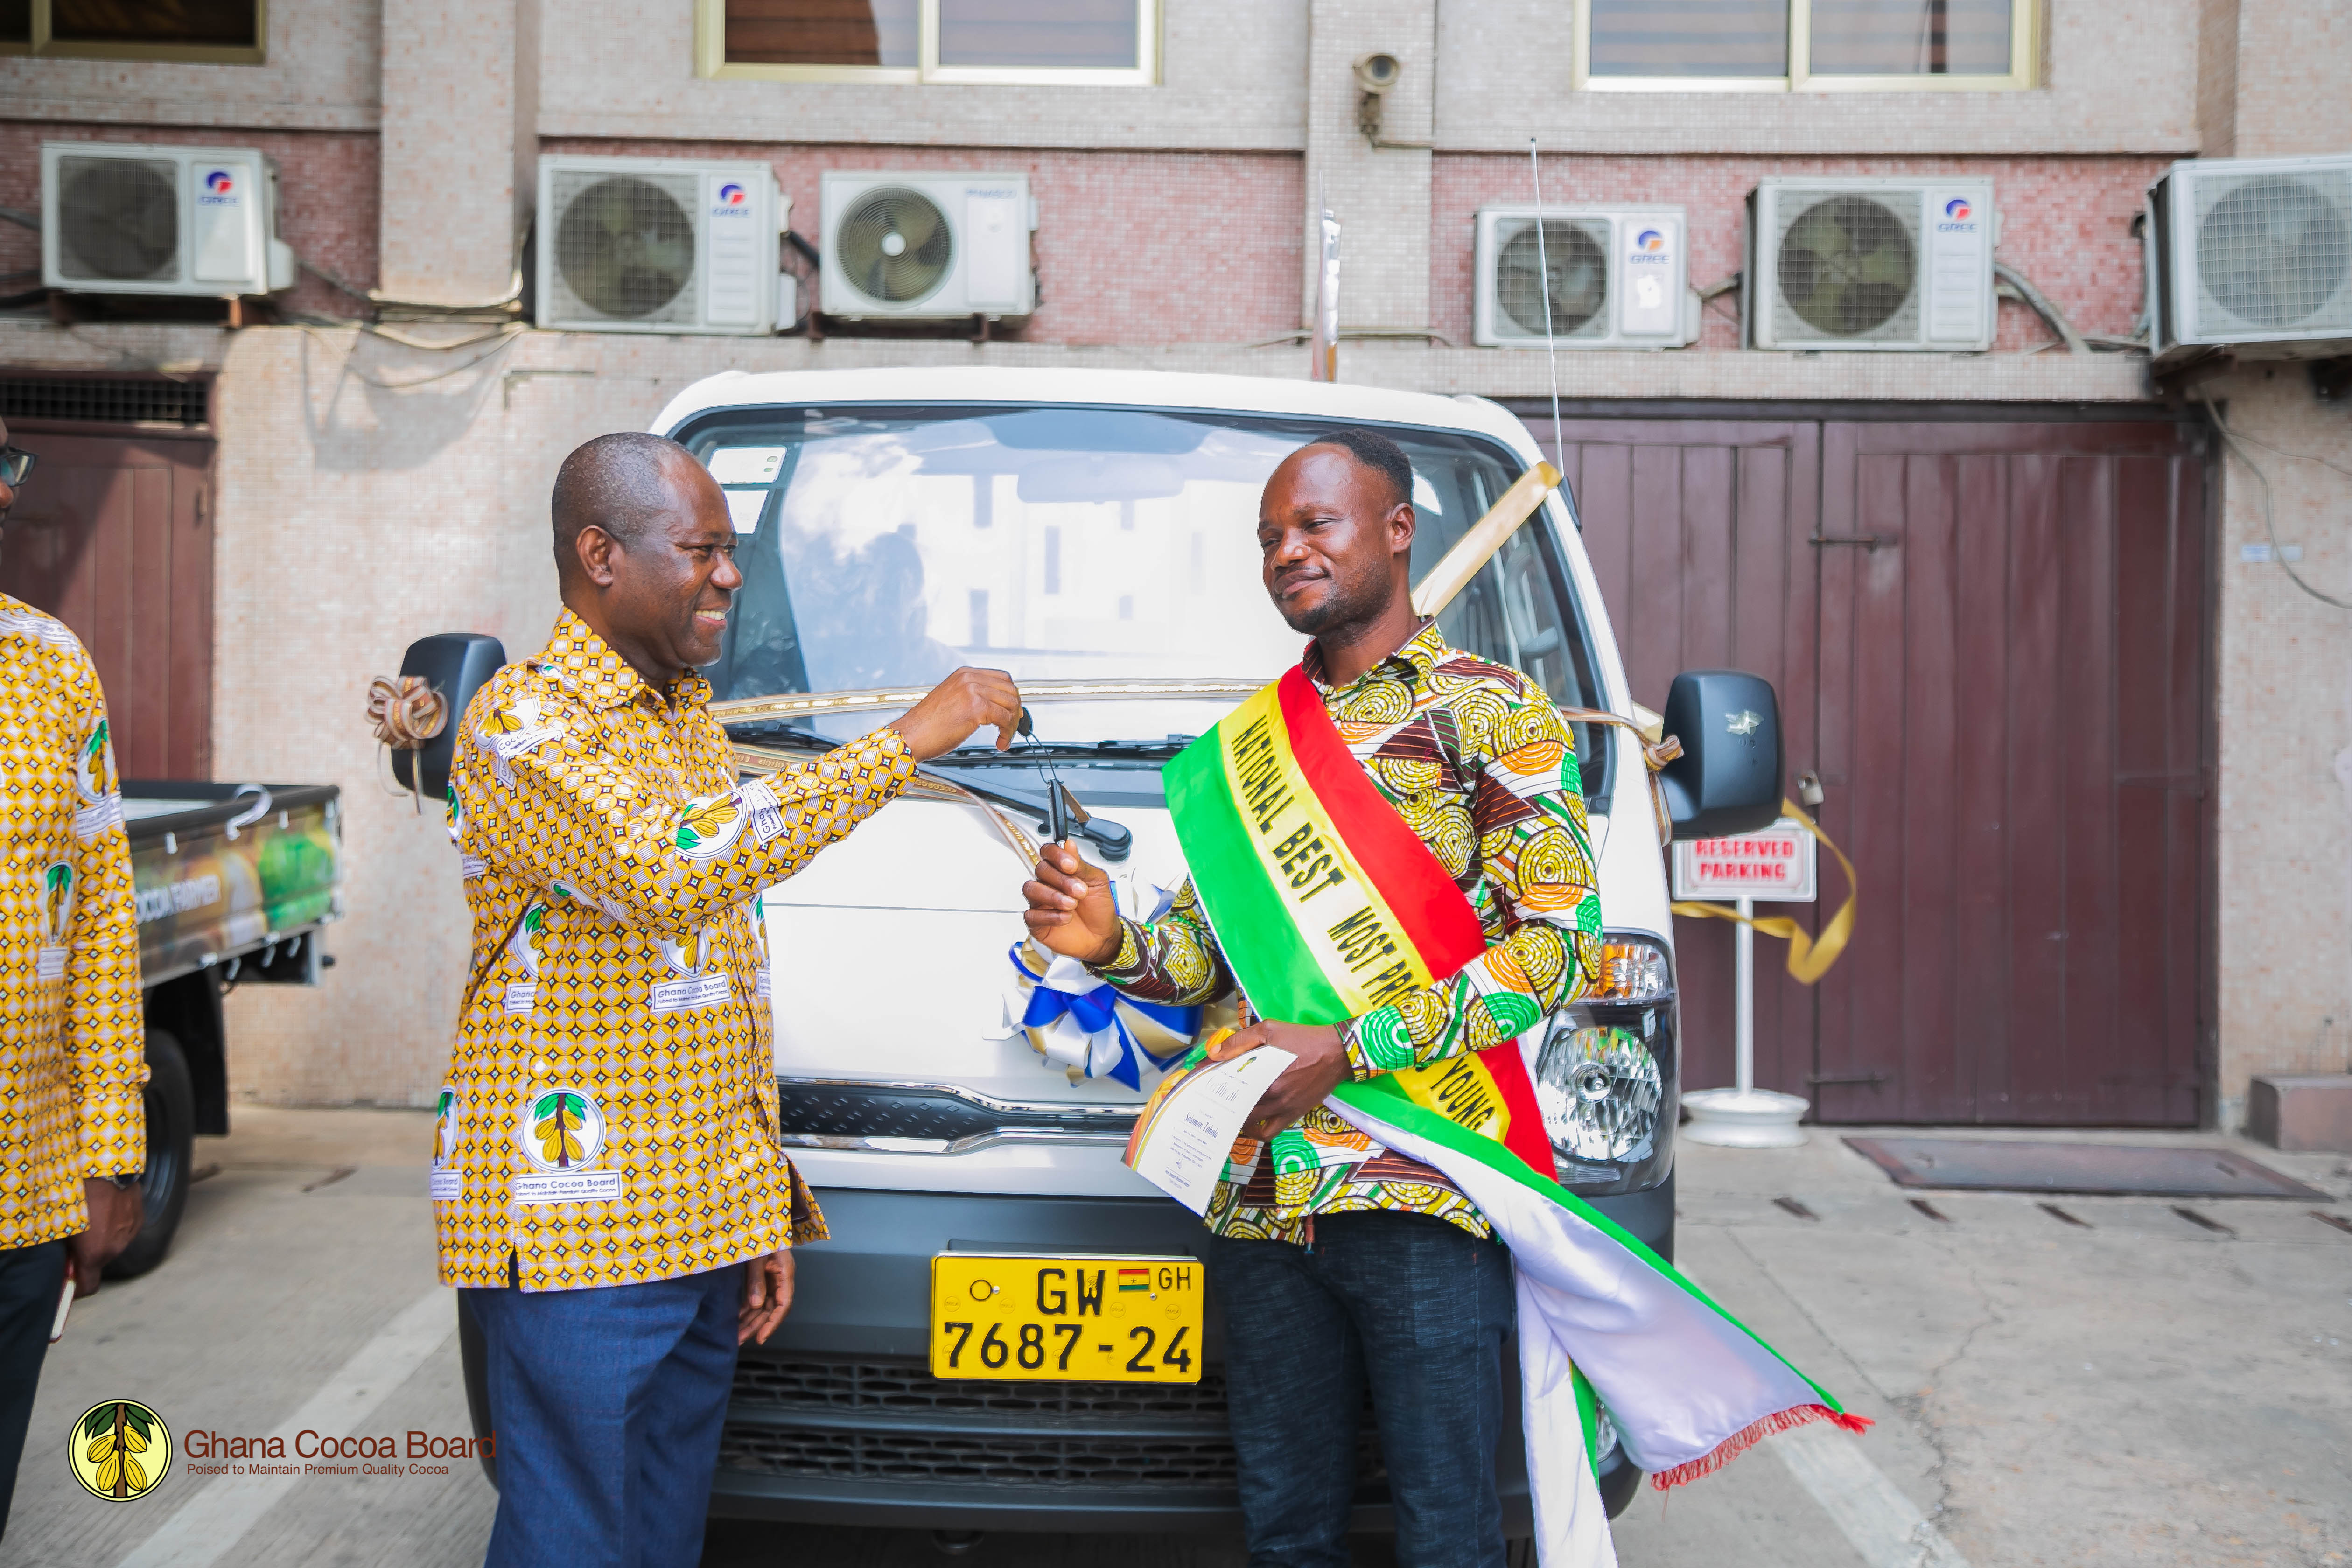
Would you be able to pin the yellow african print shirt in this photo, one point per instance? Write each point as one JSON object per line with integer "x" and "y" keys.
{"x": 610, "y": 1116}
{"x": 1480, "y": 764}
{"x": 73, "y": 1032}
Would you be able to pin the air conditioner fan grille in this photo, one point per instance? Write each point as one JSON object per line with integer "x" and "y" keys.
{"x": 1848, "y": 266}
{"x": 2273, "y": 253}
{"x": 895, "y": 246}
{"x": 1575, "y": 255}
{"x": 624, "y": 246}
{"x": 119, "y": 220}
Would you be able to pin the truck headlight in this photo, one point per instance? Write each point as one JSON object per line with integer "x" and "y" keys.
{"x": 1600, "y": 1089}
{"x": 1599, "y": 1081}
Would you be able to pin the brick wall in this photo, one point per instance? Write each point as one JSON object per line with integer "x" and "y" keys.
{"x": 326, "y": 193}
{"x": 2065, "y": 223}
{"x": 1138, "y": 247}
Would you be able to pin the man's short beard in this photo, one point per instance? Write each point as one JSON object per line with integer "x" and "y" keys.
{"x": 1346, "y": 604}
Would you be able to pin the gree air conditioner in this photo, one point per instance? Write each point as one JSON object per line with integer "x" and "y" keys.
{"x": 1619, "y": 277}
{"x": 122, "y": 218}
{"x": 1869, "y": 264}
{"x": 2251, "y": 253}
{"x": 660, "y": 244}
{"x": 911, "y": 246}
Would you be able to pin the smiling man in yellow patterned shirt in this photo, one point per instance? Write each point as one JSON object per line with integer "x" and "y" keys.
{"x": 73, "y": 1127}
{"x": 609, "y": 1184}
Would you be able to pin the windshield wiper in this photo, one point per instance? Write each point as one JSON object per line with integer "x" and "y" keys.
{"x": 987, "y": 755}
{"x": 769, "y": 734}
{"x": 1114, "y": 840}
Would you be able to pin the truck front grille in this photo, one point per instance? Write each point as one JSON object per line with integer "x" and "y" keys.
{"x": 907, "y": 1387}
{"x": 1091, "y": 1461}
{"x": 884, "y": 1419}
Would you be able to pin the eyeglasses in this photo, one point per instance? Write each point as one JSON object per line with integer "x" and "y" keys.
{"x": 15, "y": 465}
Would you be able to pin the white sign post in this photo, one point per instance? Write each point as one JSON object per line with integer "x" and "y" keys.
{"x": 1776, "y": 865}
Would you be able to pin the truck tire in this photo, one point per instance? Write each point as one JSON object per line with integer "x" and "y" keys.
{"x": 171, "y": 1143}
{"x": 1617, "y": 1486}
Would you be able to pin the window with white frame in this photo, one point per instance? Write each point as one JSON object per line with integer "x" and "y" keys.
{"x": 1071, "y": 42}
{"x": 1806, "y": 45}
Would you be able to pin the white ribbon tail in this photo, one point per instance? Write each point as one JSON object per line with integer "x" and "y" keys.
{"x": 1682, "y": 1381}
{"x": 1572, "y": 1522}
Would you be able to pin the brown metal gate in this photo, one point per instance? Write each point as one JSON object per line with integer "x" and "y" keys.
{"x": 112, "y": 535}
{"x": 1990, "y": 641}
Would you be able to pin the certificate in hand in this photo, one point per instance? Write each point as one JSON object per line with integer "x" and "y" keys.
{"x": 1181, "y": 1140}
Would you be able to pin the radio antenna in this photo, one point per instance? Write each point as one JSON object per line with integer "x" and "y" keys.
{"x": 1543, "y": 271}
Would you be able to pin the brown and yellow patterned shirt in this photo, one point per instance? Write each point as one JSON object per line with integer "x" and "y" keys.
{"x": 610, "y": 1116}
{"x": 1482, "y": 767}
{"x": 73, "y": 1032}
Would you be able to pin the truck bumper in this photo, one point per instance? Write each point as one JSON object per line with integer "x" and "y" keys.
{"x": 836, "y": 1420}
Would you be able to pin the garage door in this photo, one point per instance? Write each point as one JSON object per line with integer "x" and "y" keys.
{"x": 1990, "y": 641}
{"x": 112, "y": 536}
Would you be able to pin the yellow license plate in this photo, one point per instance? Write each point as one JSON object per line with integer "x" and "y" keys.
{"x": 1101, "y": 1319}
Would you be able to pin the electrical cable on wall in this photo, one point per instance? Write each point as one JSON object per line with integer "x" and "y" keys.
{"x": 2236, "y": 445}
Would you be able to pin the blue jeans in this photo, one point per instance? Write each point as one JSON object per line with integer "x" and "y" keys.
{"x": 1415, "y": 1308}
{"x": 607, "y": 1404}
{"x": 31, "y": 1280}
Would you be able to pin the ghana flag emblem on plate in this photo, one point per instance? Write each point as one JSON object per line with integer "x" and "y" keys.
{"x": 1134, "y": 1279}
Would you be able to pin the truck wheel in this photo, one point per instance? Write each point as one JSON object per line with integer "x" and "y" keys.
{"x": 1617, "y": 1486}
{"x": 171, "y": 1141}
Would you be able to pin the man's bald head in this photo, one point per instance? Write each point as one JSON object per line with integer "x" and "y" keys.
{"x": 644, "y": 552}
{"x": 620, "y": 483}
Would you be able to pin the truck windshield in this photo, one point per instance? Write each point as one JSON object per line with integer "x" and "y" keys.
{"x": 884, "y": 546}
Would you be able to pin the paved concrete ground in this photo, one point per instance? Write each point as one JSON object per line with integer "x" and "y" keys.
{"x": 2136, "y": 1388}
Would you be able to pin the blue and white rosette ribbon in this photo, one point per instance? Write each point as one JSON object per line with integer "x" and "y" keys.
{"x": 1087, "y": 1029}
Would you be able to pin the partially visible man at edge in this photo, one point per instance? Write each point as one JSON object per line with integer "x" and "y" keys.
{"x": 73, "y": 1063}
{"x": 611, "y": 1192}
{"x": 1355, "y": 1265}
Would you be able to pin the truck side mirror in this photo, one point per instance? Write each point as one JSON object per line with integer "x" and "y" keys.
{"x": 1728, "y": 779}
{"x": 457, "y": 665}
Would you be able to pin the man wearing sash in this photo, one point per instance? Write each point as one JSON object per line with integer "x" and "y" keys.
{"x": 1341, "y": 1263}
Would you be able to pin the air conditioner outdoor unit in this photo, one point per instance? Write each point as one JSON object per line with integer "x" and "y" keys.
{"x": 660, "y": 244}
{"x": 1619, "y": 277}
{"x": 2254, "y": 253}
{"x": 928, "y": 247}
{"x": 120, "y": 219}
{"x": 1869, "y": 264}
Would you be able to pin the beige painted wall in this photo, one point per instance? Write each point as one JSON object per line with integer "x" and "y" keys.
{"x": 2285, "y": 699}
{"x": 2295, "y": 78}
{"x": 1379, "y": 194}
{"x": 320, "y": 75}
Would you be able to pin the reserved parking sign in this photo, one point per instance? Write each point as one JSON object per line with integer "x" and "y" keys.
{"x": 1772, "y": 865}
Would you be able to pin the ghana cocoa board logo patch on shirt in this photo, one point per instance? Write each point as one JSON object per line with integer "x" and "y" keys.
{"x": 562, "y": 1133}
{"x": 120, "y": 1450}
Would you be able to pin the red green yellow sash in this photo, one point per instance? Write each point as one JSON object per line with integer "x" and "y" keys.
{"x": 1327, "y": 906}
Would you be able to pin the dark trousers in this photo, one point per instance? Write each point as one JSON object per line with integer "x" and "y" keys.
{"x": 1410, "y": 1306}
{"x": 31, "y": 1280}
{"x": 607, "y": 1404}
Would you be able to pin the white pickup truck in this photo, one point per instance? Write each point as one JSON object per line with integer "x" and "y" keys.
{"x": 1080, "y": 529}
